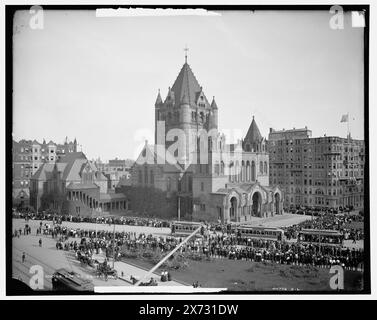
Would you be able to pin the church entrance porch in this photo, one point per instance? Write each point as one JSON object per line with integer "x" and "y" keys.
{"x": 241, "y": 202}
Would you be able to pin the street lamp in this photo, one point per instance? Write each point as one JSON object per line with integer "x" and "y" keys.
{"x": 179, "y": 208}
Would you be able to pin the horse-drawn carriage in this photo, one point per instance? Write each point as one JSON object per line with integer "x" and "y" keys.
{"x": 104, "y": 270}
{"x": 86, "y": 259}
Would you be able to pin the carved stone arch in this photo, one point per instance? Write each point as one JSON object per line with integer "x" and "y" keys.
{"x": 231, "y": 194}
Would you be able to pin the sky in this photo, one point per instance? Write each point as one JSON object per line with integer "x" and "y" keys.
{"x": 97, "y": 79}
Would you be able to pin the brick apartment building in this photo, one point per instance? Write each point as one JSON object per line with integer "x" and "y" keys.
{"x": 28, "y": 156}
{"x": 321, "y": 172}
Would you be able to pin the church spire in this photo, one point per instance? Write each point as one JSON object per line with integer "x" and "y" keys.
{"x": 186, "y": 49}
{"x": 213, "y": 104}
{"x": 158, "y": 100}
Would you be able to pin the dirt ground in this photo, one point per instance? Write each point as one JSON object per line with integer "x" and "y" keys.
{"x": 256, "y": 276}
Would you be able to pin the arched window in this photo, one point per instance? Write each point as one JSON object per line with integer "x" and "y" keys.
{"x": 265, "y": 167}
{"x": 261, "y": 167}
{"x": 247, "y": 170}
{"x": 243, "y": 170}
{"x": 231, "y": 171}
{"x": 253, "y": 171}
{"x": 222, "y": 167}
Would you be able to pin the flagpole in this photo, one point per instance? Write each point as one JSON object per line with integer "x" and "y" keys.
{"x": 348, "y": 124}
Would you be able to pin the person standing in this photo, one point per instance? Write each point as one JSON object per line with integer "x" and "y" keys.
{"x": 23, "y": 257}
{"x": 40, "y": 242}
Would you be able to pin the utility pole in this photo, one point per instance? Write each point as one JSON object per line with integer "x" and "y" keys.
{"x": 179, "y": 208}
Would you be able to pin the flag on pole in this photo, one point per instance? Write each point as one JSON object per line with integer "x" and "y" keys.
{"x": 344, "y": 118}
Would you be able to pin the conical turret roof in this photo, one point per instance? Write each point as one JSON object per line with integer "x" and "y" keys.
{"x": 253, "y": 134}
{"x": 186, "y": 85}
{"x": 159, "y": 99}
{"x": 213, "y": 104}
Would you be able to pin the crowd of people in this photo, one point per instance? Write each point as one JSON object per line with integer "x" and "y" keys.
{"x": 327, "y": 221}
{"x": 218, "y": 245}
{"x": 133, "y": 221}
{"x": 215, "y": 245}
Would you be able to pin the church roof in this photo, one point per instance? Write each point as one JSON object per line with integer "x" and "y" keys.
{"x": 74, "y": 163}
{"x": 253, "y": 134}
{"x": 43, "y": 171}
{"x": 213, "y": 104}
{"x": 150, "y": 156}
{"x": 82, "y": 186}
{"x": 158, "y": 100}
{"x": 186, "y": 85}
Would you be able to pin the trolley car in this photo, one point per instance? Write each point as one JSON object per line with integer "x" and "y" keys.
{"x": 330, "y": 238}
{"x": 184, "y": 228}
{"x": 260, "y": 232}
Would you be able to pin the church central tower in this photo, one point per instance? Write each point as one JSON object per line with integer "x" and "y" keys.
{"x": 185, "y": 107}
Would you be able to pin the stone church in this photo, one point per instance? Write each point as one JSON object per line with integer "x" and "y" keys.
{"x": 191, "y": 161}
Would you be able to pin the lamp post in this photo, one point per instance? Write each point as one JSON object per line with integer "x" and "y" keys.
{"x": 179, "y": 208}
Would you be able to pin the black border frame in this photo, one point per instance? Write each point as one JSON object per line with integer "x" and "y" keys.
{"x": 9, "y": 12}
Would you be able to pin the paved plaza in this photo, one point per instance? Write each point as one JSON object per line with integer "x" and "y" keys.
{"x": 284, "y": 220}
{"x": 52, "y": 259}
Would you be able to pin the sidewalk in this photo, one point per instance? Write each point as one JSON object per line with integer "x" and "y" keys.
{"x": 130, "y": 270}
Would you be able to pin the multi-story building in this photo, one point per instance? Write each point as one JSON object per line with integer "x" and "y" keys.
{"x": 191, "y": 161}
{"x": 28, "y": 156}
{"x": 116, "y": 170}
{"x": 322, "y": 172}
{"x": 73, "y": 185}
{"x": 22, "y": 170}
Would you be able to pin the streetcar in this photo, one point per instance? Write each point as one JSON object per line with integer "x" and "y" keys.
{"x": 321, "y": 237}
{"x": 184, "y": 228}
{"x": 64, "y": 280}
{"x": 259, "y": 232}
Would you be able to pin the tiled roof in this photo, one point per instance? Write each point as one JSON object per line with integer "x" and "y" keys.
{"x": 253, "y": 134}
{"x": 74, "y": 162}
{"x": 186, "y": 84}
{"x": 18, "y": 192}
{"x": 74, "y": 170}
{"x": 40, "y": 174}
{"x": 151, "y": 157}
{"x": 81, "y": 186}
